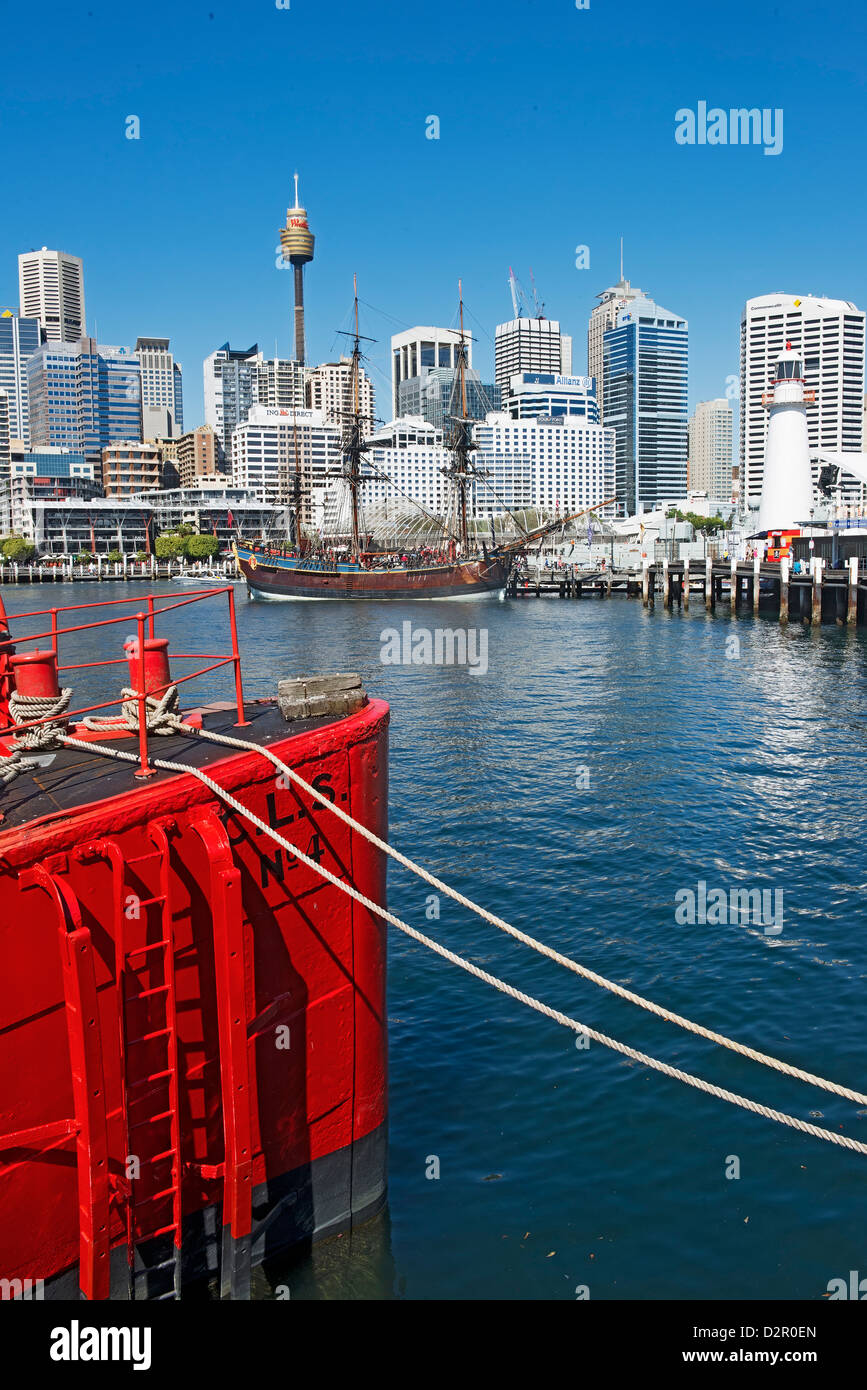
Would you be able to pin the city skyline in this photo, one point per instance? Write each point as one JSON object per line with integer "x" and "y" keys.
{"x": 705, "y": 228}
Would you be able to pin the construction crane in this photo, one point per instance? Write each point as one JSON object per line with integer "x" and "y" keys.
{"x": 519, "y": 295}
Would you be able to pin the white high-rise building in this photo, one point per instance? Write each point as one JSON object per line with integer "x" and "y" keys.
{"x": 414, "y": 352}
{"x": 530, "y": 345}
{"x": 51, "y": 289}
{"x": 829, "y": 336}
{"x": 280, "y": 382}
{"x": 162, "y": 400}
{"x": 605, "y": 315}
{"x": 710, "y": 450}
{"x": 267, "y": 446}
{"x": 329, "y": 389}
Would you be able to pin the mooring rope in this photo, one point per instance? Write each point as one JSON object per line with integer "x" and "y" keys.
{"x": 41, "y": 738}
{"x": 764, "y": 1059}
{"x": 843, "y": 1140}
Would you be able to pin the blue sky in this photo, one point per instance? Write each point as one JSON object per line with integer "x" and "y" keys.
{"x": 556, "y": 130}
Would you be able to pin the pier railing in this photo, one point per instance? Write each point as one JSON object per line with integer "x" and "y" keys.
{"x": 143, "y": 691}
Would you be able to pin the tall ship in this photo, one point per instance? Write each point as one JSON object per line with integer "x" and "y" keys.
{"x": 353, "y": 563}
{"x": 192, "y": 1017}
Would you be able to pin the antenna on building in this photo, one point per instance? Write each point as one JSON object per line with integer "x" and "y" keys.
{"x": 621, "y": 260}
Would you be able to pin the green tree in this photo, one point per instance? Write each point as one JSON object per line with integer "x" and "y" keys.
{"x": 85, "y": 558}
{"x": 114, "y": 557}
{"x": 170, "y": 546}
{"x": 202, "y": 547}
{"x": 17, "y": 550}
{"x": 142, "y": 555}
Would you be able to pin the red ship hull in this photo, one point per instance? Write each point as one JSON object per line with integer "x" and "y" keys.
{"x": 192, "y": 1025}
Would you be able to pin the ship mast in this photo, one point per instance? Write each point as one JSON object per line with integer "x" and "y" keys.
{"x": 354, "y": 445}
{"x": 460, "y": 441}
{"x": 297, "y": 484}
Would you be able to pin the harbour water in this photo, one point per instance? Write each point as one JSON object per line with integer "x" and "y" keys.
{"x": 608, "y": 759}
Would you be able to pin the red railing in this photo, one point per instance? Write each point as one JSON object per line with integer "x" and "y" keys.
{"x": 146, "y": 628}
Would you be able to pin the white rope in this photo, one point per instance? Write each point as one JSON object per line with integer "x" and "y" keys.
{"x": 843, "y": 1140}
{"x": 23, "y": 709}
{"x": 162, "y": 715}
{"x": 566, "y": 961}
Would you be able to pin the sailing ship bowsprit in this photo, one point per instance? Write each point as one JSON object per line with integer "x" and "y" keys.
{"x": 351, "y": 565}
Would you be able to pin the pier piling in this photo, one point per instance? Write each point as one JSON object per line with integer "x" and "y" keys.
{"x": 784, "y": 591}
{"x": 852, "y": 605}
{"x": 817, "y": 592}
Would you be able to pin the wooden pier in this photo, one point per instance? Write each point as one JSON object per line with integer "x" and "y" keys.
{"x": 739, "y": 586}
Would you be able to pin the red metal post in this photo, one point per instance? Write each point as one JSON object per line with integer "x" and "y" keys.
{"x": 236, "y": 658}
{"x": 151, "y": 615}
{"x": 141, "y": 696}
{"x": 54, "y": 634}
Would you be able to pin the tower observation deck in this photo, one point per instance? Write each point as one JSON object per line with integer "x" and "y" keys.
{"x": 297, "y": 240}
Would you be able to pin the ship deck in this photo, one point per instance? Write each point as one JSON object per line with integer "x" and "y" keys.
{"x": 71, "y": 778}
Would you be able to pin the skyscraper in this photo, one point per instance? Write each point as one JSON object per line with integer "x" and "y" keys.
{"x": 605, "y": 315}
{"x": 231, "y": 389}
{"x": 418, "y": 350}
{"x": 84, "y": 396}
{"x": 19, "y": 339}
{"x": 5, "y": 454}
{"x": 530, "y": 345}
{"x": 162, "y": 401}
{"x": 710, "y": 449}
{"x": 433, "y": 397}
{"x": 51, "y": 289}
{"x": 644, "y": 375}
{"x": 829, "y": 335}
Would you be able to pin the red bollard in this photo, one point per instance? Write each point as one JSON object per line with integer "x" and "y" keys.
{"x": 35, "y": 673}
{"x": 158, "y": 675}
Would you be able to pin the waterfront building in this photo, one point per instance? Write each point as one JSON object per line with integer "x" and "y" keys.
{"x": 51, "y": 289}
{"x": 224, "y": 512}
{"x": 22, "y": 497}
{"x": 604, "y": 315}
{"x": 162, "y": 394}
{"x": 644, "y": 373}
{"x": 710, "y": 449}
{"x": 329, "y": 390}
{"x": 530, "y": 345}
{"x": 19, "y": 339}
{"x": 434, "y": 396}
{"x": 66, "y": 517}
{"x": 534, "y": 394}
{"x": 48, "y": 463}
{"x": 83, "y": 396}
{"x": 419, "y": 349}
{"x": 829, "y": 335}
{"x": 231, "y": 388}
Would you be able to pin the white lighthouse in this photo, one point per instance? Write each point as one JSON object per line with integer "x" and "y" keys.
{"x": 787, "y": 486}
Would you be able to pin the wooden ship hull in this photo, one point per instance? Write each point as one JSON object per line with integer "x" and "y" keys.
{"x": 272, "y": 575}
